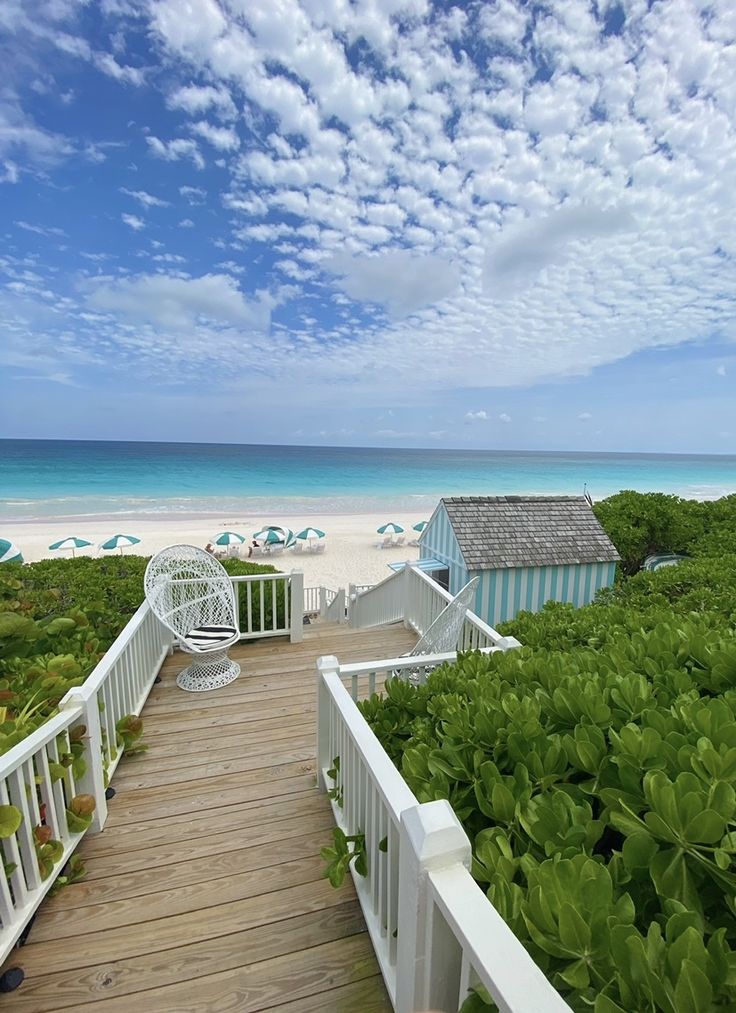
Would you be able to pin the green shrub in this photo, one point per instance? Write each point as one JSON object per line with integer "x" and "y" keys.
{"x": 599, "y": 791}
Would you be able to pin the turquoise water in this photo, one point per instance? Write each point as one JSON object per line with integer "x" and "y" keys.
{"x": 48, "y": 478}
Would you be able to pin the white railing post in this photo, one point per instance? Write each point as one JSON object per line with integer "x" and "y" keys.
{"x": 93, "y": 781}
{"x": 508, "y": 643}
{"x": 296, "y": 632}
{"x": 431, "y": 838}
{"x": 349, "y": 604}
{"x": 322, "y": 602}
{"x": 327, "y": 665}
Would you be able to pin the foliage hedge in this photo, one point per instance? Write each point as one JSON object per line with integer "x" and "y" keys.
{"x": 594, "y": 771}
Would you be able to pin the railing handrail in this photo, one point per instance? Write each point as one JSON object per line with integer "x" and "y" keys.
{"x": 254, "y": 577}
{"x": 45, "y": 733}
{"x": 493, "y": 635}
{"x": 97, "y": 676}
{"x": 411, "y": 661}
{"x": 393, "y": 789}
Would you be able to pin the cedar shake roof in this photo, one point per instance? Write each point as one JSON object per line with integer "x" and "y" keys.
{"x": 499, "y": 532}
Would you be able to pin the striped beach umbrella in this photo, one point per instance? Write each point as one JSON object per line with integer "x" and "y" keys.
{"x": 420, "y": 526}
{"x": 270, "y": 536}
{"x": 286, "y": 535}
{"x": 9, "y": 553}
{"x": 229, "y": 538}
{"x": 390, "y": 529}
{"x": 309, "y": 533}
{"x": 72, "y": 542}
{"x": 120, "y": 542}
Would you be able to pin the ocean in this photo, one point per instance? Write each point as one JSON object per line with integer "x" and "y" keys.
{"x": 58, "y": 478}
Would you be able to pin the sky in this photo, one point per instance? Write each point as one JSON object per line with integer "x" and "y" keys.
{"x": 493, "y": 224}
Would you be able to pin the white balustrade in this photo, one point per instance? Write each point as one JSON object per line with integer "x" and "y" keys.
{"x": 270, "y": 605}
{"x": 435, "y": 933}
{"x": 335, "y": 611}
{"x": 117, "y": 686}
{"x": 311, "y": 600}
{"x": 414, "y": 597}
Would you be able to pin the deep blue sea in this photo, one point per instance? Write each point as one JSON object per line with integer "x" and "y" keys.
{"x": 57, "y": 478}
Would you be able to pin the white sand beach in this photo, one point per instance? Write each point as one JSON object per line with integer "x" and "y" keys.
{"x": 350, "y": 554}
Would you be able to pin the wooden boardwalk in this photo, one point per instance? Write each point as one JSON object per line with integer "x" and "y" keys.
{"x": 204, "y": 893}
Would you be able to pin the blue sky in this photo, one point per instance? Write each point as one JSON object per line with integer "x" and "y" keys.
{"x": 383, "y": 222}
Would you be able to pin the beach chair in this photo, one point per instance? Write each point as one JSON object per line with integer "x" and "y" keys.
{"x": 385, "y": 544}
{"x": 192, "y": 596}
{"x": 320, "y": 546}
{"x": 400, "y": 540}
{"x": 298, "y": 545}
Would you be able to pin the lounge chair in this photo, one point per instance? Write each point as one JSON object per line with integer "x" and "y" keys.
{"x": 385, "y": 544}
{"x": 298, "y": 545}
{"x": 400, "y": 540}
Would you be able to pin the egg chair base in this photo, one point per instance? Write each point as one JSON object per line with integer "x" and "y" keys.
{"x": 211, "y": 671}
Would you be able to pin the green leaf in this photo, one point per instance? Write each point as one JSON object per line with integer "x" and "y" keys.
{"x": 10, "y": 819}
{"x": 693, "y": 991}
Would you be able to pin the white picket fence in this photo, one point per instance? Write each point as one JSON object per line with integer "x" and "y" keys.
{"x": 118, "y": 686}
{"x": 434, "y": 931}
{"x": 412, "y": 596}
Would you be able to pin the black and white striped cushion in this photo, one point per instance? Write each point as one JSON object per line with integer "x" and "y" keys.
{"x": 201, "y": 636}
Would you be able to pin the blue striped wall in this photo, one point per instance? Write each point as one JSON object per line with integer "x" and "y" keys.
{"x": 438, "y": 542}
{"x": 503, "y": 593}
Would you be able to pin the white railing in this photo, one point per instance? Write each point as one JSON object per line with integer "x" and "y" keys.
{"x": 312, "y": 600}
{"x": 412, "y": 596}
{"x": 434, "y": 931}
{"x": 380, "y": 604}
{"x": 335, "y": 611}
{"x": 270, "y": 605}
{"x": 88, "y": 714}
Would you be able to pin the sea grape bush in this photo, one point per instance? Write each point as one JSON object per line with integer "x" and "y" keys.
{"x": 598, "y": 788}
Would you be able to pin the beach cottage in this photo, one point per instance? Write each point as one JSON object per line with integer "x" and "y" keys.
{"x": 525, "y": 549}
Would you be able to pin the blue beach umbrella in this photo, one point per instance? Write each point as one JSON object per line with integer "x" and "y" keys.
{"x": 420, "y": 526}
{"x": 390, "y": 529}
{"x": 9, "y": 553}
{"x": 72, "y": 542}
{"x": 120, "y": 542}
{"x": 229, "y": 538}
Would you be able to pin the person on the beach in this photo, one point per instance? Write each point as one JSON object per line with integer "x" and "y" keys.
{"x": 209, "y": 547}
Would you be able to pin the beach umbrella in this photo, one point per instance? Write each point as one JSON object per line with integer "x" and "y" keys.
{"x": 270, "y": 536}
{"x": 309, "y": 533}
{"x": 229, "y": 538}
{"x": 285, "y": 534}
{"x": 420, "y": 526}
{"x": 9, "y": 553}
{"x": 72, "y": 542}
{"x": 390, "y": 529}
{"x": 120, "y": 542}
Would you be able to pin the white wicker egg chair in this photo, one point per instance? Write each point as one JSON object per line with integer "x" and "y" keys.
{"x": 191, "y": 594}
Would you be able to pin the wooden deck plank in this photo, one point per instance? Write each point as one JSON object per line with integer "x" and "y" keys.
{"x": 206, "y": 889}
{"x": 253, "y": 987}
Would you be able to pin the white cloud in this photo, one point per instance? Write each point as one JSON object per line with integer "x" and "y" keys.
{"x": 396, "y": 279}
{"x": 503, "y": 417}
{"x": 721, "y": 370}
{"x": 193, "y": 194}
{"x": 173, "y": 151}
{"x": 107, "y": 63}
{"x": 134, "y": 222}
{"x": 222, "y": 138}
{"x": 147, "y": 200}
{"x": 198, "y": 99}
{"x": 478, "y": 416}
{"x": 41, "y": 230}
{"x": 585, "y": 416}
{"x": 176, "y": 303}
{"x": 186, "y": 223}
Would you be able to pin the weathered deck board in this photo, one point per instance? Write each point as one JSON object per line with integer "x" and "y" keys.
{"x": 205, "y": 890}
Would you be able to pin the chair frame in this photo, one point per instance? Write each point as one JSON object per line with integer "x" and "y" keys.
{"x": 187, "y": 588}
